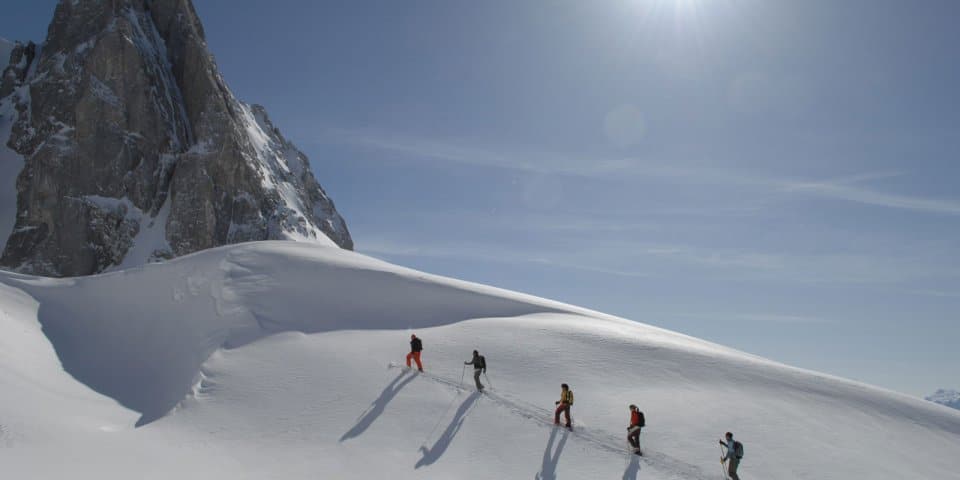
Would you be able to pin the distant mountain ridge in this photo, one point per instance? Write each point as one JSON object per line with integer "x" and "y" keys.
{"x": 949, "y": 398}
{"x": 134, "y": 149}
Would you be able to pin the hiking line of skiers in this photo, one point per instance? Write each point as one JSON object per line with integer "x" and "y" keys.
{"x": 731, "y": 457}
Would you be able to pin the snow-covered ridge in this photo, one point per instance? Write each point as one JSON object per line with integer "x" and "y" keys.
{"x": 282, "y": 167}
{"x": 273, "y": 355}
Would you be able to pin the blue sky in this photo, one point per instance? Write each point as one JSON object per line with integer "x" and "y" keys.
{"x": 780, "y": 177}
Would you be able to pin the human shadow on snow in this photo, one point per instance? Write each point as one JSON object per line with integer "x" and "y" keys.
{"x": 548, "y": 470}
{"x": 378, "y": 406}
{"x": 432, "y": 454}
{"x": 633, "y": 469}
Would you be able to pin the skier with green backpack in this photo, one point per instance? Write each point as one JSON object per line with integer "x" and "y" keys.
{"x": 733, "y": 456}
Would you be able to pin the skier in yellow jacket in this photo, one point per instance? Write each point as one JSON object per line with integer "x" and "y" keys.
{"x": 563, "y": 405}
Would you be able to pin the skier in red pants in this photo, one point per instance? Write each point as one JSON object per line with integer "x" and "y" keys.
{"x": 563, "y": 405}
{"x": 416, "y": 346}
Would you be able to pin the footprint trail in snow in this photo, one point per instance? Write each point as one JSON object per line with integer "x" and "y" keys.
{"x": 596, "y": 438}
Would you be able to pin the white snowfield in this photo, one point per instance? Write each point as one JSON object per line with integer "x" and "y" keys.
{"x": 272, "y": 360}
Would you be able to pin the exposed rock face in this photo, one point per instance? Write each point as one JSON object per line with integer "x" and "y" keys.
{"x": 20, "y": 59}
{"x": 127, "y": 130}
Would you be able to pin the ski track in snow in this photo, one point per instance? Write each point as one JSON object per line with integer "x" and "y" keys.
{"x": 596, "y": 438}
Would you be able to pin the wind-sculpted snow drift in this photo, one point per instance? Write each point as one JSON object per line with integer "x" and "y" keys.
{"x": 269, "y": 360}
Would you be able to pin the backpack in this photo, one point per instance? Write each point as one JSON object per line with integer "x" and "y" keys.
{"x": 738, "y": 449}
{"x": 643, "y": 421}
{"x": 481, "y": 363}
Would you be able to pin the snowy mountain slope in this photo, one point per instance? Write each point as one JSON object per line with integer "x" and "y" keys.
{"x": 274, "y": 357}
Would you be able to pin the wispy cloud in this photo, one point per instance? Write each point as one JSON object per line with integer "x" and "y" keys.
{"x": 676, "y": 263}
{"x": 871, "y": 197}
{"x": 531, "y": 162}
{"x": 751, "y": 317}
{"x": 489, "y": 255}
{"x": 937, "y": 293}
{"x": 577, "y": 222}
{"x": 848, "y": 188}
{"x": 777, "y": 318}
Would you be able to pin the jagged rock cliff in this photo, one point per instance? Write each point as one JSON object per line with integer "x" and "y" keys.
{"x": 135, "y": 149}
{"x": 10, "y": 162}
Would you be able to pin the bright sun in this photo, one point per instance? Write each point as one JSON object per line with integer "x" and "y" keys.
{"x": 675, "y": 8}
{"x": 683, "y": 7}
{"x": 685, "y": 15}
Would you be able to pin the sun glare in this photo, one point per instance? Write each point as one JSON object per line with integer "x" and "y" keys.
{"x": 684, "y": 17}
{"x": 683, "y": 10}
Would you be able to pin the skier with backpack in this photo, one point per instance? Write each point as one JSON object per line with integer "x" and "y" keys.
{"x": 416, "y": 346}
{"x": 733, "y": 456}
{"x": 479, "y": 366}
{"x": 637, "y": 422}
{"x": 563, "y": 405}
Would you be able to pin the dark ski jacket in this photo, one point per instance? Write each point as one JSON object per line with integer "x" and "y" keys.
{"x": 416, "y": 345}
{"x": 478, "y": 362}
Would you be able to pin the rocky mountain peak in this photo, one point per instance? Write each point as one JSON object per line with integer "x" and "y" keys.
{"x": 135, "y": 149}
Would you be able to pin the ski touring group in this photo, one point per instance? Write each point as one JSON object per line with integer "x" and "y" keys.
{"x": 732, "y": 450}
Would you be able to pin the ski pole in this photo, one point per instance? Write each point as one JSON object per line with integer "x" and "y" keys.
{"x": 488, "y": 378}
{"x": 722, "y": 463}
{"x": 462, "y": 371}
